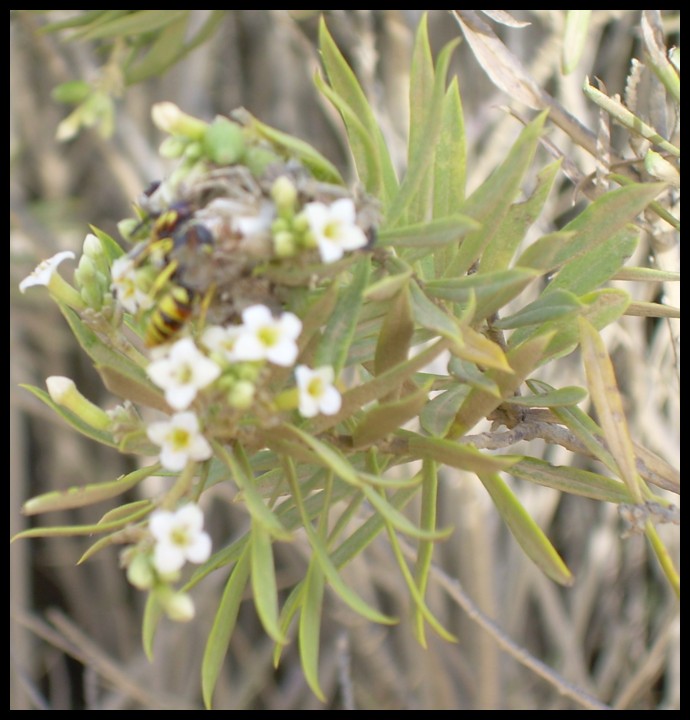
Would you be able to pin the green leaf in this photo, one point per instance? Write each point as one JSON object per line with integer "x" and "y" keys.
{"x": 425, "y": 548}
{"x": 256, "y": 506}
{"x": 367, "y": 144}
{"x": 601, "y": 308}
{"x": 457, "y": 455}
{"x": 263, "y": 577}
{"x": 574, "y": 38}
{"x": 517, "y": 221}
{"x": 331, "y": 458}
{"x": 322, "y": 557}
{"x": 606, "y": 216}
{"x": 71, "y": 92}
{"x": 310, "y": 626}
{"x": 450, "y": 156}
{"x": 479, "y": 349}
{"x": 166, "y": 49}
{"x": 152, "y": 614}
{"x": 525, "y": 530}
{"x": 431, "y": 316}
{"x": 593, "y": 268}
{"x": 110, "y": 247}
{"x": 479, "y": 404}
{"x": 71, "y": 419}
{"x": 492, "y": 199}
{"x": 468, "y": 373}
{"x": 136, "y": 22}
{"x": 491, "y": 290}
{"x": 543, "y": 254}
{"x": 397, "y": 520}
{"x": 439, "y": 413}
{"x": 396, "y": 333}
{"x": 224, "y": 142}
{"x": 570, "y": 395}
{"x": 420, "y": 157}
{"x": 340, "y": 328}
{"x": 421, "y": 95}
{"x": 223, "y": 627}
{"x": 439, "y": 232}
{"x": 571, "y": 480}
{"x": 601, "y": 381}
{"x": 615, "y": 108}
{"x": 321, "y": 168}
{"x": 81, "y": 496}
{"x": 387, "y": 417}
{"x": 558, "y": 305}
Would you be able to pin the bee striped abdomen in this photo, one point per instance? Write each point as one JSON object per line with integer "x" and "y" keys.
{"x": 168, "y": 318}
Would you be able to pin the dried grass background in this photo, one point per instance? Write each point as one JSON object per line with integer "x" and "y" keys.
{"x": 75, "y": 631}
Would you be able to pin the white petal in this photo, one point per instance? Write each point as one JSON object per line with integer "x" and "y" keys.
{"x": 191, "y": 516}
{"x": 174, "y": 460}
{"x": 283, "y": 353}
{"x": 200, "y": 549}
{"x": 160, "y": 523}
{"x": 167, "y": 558}
{"x": 257, "y": 316}
{"x": 330, "y": 401}
{"x": 180, "y": 397}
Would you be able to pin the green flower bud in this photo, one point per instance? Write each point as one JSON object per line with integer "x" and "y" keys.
{"x": 140, "y": 572}
{"x": 242, "y": 395}
{"x": 284, "y": 194}
{"x": 284, "y": 244}
{"x": 224, "y": 142}
{"x": 169, "y": 118}
{"x": 63, "y": 391}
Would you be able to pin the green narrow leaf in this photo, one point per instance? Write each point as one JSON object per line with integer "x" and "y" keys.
{"x": 321, "y": 168}
{"x": 263, "y": 578}
{"x": 491, "y": 290}
{"x": 479, "y": 404}
{"x": 387, "y": 417}
{"x": 420, "y": 605}
{"x": 431, "y": 316}
{"x": 137, "y": 22}
{"x": 345, "y": 85}
{"x": 396, "y": 519}
{"x": 457, "y": 455}
{"x": 394, "y": 339}
{"x": 525, "y": 530}
{"x": 491, "y": 201}
{"x": 310, "y": 627}
{"x": 152, "y": 614}
{"x": 434, "y": 234}
{"x": 254, "y": 501}
{"x": 439, "y": 413}
{"x": 321, "y": 555}
{"x": 607, "y": 215}
{"x": 603, "y": 389}
{"x": 479, "y": 349}
{"x": 574, "y": 38}
{"x": 558, "y": 305}
{"x": 110, "y": 247}
{"x": 340, "y": 329}
{"x": 469, "y": 374}
{"x": 571, "y": 480}
{"x": 421, "y": 94}
{"x": 615, "y": 108}
{"x": 570, "y": 395}
{"x": 544, "y": 253}
{"x": 592, "y": 269}
{"x": 601, "y": 309}
{"x": 81, "y": 496}
{"x": 517, "y": 221}
{"x": 421, "y": 159}
{"x": 425, "y": 548}
{"x": 74, "y": 421}
{"x": 290, "y": 607}
{"x": 223, "y": 627}
{"x": 167, "y": 48}
{"x": 650, "y": 309}
{"x": 450, "y": 156}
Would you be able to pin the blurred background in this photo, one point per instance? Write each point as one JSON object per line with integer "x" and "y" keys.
{"x": 75, "y": 631}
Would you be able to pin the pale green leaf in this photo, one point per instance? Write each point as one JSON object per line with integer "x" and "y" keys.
{"x": 223, "y": 627}
{"x": 574, "y": 38}
{"x": 525, "y": 530}
{"x": 310, "y": 627}
{"x": 263, "y": 579}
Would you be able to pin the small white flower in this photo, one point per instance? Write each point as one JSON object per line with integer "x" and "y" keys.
{"x": 126, "y": 287}
{"x": 316, "y": 391}
{"x": 179, "y": 537}
{"x": 264, "y": 337}
{"x": 182, "y": 372}
{"x": 44, "y": 271}
{"x": 334, "y": 228}
{"x": 180, "y": 440}
{"x": 221, "y": 340}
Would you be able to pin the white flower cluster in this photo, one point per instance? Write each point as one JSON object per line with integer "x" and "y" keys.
{"x": 184, "y": 370}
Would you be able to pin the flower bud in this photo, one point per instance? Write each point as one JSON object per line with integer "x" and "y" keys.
{"x": 63, "y": 392}
{"x": 169, "y": 118}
